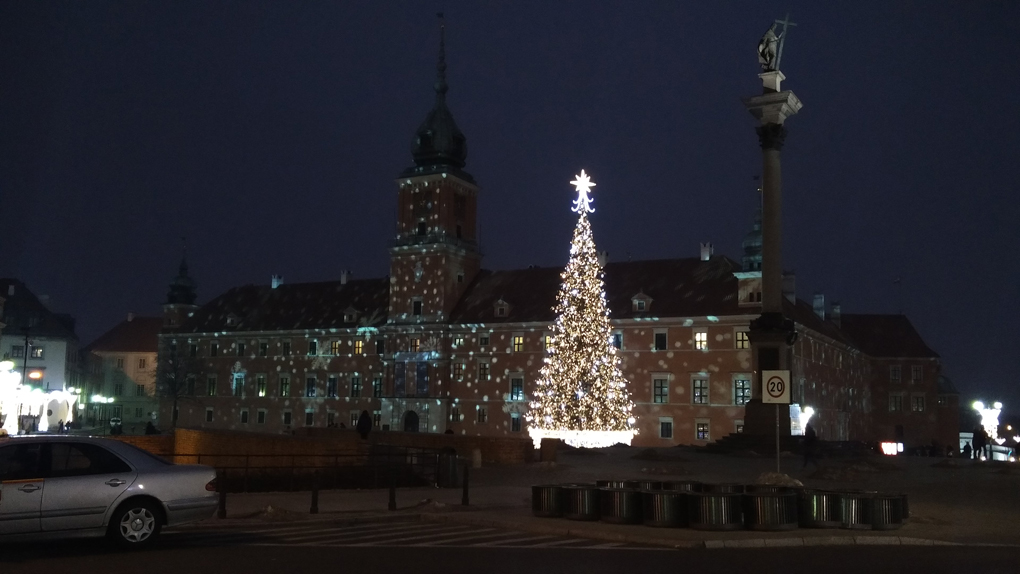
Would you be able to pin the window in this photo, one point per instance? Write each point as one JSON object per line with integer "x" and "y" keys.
{"x": 483, "y": 340}
{"x": 214, "y": 350}
{"x": 738, "y": 425}
{"x": 517, "y": 389}
{"x": 547, "y": 341}
{"x": 458, "y": 370}
{"x": 414, "y": 345}
{"x": 138, "y": 412}
{"x": 192, "y": 350}
{"x": 238, "y": 384}
{"x": 17, "y": 351}
{"x": 501, "y": 310}
{"x": 618, "y": 340}
{"x": 35, "y": 352}
{"x": 458, "y": 341}
{"x": 895, "y": 403}
{"x": 700, "y": 395}
{"x": 286, "y": 418}
{"x": 515, "y": 422}
{"x": 139, "y": 390}
{"x": 359, "y": 347}
{"x": 660, "y": 391}
{"x": 483, "y": 371}
{"x": 210, "y": 385}
{"x": 120, "y": 363}
{"x": 380, "y": 346}
{"x": 285, "y": 348}
{"x": 377, "y": 387}
{"x": 917, "y": 403}
{"x": 894, "y": 373}
{"x": 208, "y": 414}
{"x": 83, "y": 460}
{"x": 483, "y": 414}
{"x": 742, "y": 340}
{"x": 639, "y": 305}
{"x": 118, "y": 389}
{"x": 330, "y": 418}
{"x": 376, "y": 419}
{"x": 455, "y": 414}
{"x": 518, "y": 343}
{"x": 355, "y": 415}
{"x": 189, "y": 388}
{"x": 741, "y": 392}
{"x": 915, "y": 373}
{"x": 701, "y": 341}
{"x": 313, "y": 347}
{"x": 356, "y": 386}
{"x": 331, "y": 386}
{"x": 260, "y": 417}
{"x": 460, "y": 276}
{"x": 260, "y": 385}
{"x": 660, "y": 341}
{"x": 20, "y": 461}
{"x": 943, "y": 401}
{"x": 263, "y": 349}
{"x": 284, "y": 386}
{"x": 309, "y": 418}
{"x": 701, "y": 431}
{"x": 244, "y": 416}
{"x": 141, "y": 363}
{"x": 240, "y": 349}
{"x": 334, "y": 347}
{"x": 665, "y": 427}
{"x": 416, "y": 308}
{"x": 310, "y": 387}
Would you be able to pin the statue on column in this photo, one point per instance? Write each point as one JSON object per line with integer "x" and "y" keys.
{"x": 768, "y": 48}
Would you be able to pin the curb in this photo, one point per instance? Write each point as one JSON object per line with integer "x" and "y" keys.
{"x": 785, "y": 542}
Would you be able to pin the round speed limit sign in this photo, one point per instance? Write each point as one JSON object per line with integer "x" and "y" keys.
{"x": 775, "y": 387}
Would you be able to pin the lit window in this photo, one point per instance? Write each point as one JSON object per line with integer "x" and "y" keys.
{"x": 701, "y": 431}
{"x": 332, "y": 382}
{"x": 355, "y": 386}
{"x": 741, "y": 392}
{"x": 700, "y": 395}
{"x": 665, "y": 428}
{"x": 618, "y": 340}
{"x": 458, "y": 341}
{"x": 483, "y": 371}
{"x": 743, "y": 342}
{"x": 313, "y": 347}
{"x": 660, "y": 391}
{"x": 917, "y": 403}
{"x": 895, "y": 403}
{"x": 701, "y": 341}
{"x": 548, "y": 342}
{"x": 515, "y": 422}
{"x": 518, "y": 343}
{"x": 483, "y": 414}
{"x": 517, "y": 389}
{"x": 660, "y": 341}
{"x": 260, "y": 385}
{"x": 238, "y": 384}
{"x": 377, "y": 387}
{"x": 36, "y": 352}
{"x": 355, "y": 415}
{"x": 285, "y": 387}
{"x": 359, "y": 347}
{"x": 334, "y": 347}
{"x": 415, "y": 344}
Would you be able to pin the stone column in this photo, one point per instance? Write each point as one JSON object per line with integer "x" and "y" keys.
{"x": 772, "y": 333}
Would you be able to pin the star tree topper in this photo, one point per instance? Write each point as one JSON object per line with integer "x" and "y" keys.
{"x": 583, "y": 184}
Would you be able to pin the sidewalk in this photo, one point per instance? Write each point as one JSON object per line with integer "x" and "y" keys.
{"x": 966, "y": 503}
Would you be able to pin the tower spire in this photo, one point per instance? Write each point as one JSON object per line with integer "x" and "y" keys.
{"x": 441, "y": 86}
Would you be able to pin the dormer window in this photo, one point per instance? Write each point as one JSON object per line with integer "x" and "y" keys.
{"x": 640, "y": 303}
{"x": 502, "y": 308}
{"x": 350, "y": 315}
{"x": 231, "y": 320}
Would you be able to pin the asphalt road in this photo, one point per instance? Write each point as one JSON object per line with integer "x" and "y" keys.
{"x": 422, "y": 548}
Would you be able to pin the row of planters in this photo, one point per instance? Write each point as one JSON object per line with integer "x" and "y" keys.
{"x": 683, "y": 504}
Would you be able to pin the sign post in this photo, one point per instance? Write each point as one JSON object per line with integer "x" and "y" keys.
{"x": 775, "y": 386}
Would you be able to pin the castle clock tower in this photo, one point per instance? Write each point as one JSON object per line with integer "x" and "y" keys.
{"x": 435, "y": 255}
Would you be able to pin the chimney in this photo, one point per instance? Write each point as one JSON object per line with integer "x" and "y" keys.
{"x": 277, "y": 280}
{"x": 344, "y": 276}
{"x": 603, "y": 258}
{"x": 790, "y": 286}
{"x": 131, "y": 317}
{"x": 834, "y": 313}
{"x": 707, "y": 251}
{"x": 819, "y": 305}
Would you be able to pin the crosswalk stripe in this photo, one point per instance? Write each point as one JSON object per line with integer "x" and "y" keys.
{"x": 458, "y": 541}
{"x": 440, "y": 535}
{"x": 512, "y": 541}
{"x": 607, "y": 545}
{"x": 345, "y": 533}
{"x": 396, "y": 536}
{"x": 560, "y": 542}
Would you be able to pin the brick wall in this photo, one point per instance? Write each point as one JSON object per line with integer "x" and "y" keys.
{"x": 161, "y": 445}
{"x": 494, "y": 450}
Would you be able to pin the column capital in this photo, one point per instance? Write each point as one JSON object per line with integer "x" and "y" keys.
{"x": 771, "y": 136}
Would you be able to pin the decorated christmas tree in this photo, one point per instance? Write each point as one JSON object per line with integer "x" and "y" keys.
{"x": 581, "y": 396}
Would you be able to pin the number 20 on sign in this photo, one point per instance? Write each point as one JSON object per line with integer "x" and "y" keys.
{"x": 775, "y": 387}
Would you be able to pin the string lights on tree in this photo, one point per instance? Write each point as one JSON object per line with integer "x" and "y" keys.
{"x": 581, "y": 395}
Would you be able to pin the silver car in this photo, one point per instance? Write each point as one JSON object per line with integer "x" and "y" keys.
{"x": 62, "y": 486}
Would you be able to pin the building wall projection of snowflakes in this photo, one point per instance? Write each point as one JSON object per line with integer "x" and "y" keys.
{"x": 581, "y": 395}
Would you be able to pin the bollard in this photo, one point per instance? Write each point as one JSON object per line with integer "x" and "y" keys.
{"x": 393, "y": 492}
{"x": 464, "y": 498}
{"x": 221, "y": 512}
{"x": 315, "y": 494}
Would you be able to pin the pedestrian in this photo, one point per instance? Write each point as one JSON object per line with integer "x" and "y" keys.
{"x": 364, "y": 424}
{"x": 810, "y": 438}
{"x": 979, "y": 443}
{"x": 966, "y": 450}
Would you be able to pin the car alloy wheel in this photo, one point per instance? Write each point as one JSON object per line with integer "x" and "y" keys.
{"x": 136, "y": 525}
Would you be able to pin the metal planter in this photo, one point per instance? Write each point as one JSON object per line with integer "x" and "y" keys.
{"x": 620, "y": 505}
{"x": 715, "y": 511}
{"x": 770, "y": 510}
{"x": 643, "y": 484}
{"x": 819, "y": 509}
{"x": 766, "y": 488}
{"x": 887, "y": 511}
{"x": 855, "y": 510}
{"x": 683, "y": 485}
{"x": 664, "y": 508}
{"x": 610, "y": 483}
{"x": 580, "y": 502}
{"x": 547, "y": 500}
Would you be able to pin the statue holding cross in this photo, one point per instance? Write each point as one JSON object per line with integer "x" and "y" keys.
{"x": 770, "y": 47}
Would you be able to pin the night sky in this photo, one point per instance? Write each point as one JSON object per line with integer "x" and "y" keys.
{"x": 270, "y": 135}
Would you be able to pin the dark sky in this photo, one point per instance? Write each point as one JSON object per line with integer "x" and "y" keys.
{"x": 270, "y": 134}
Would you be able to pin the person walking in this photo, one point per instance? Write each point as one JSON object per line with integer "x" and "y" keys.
{"x": 966, "y": 450}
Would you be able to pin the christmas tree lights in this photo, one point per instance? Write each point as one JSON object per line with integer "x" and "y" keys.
{"x": 581, "y": 396}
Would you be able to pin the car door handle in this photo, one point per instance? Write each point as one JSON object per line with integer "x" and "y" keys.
{"x": 29, "y": 488}
{"x": 115, "y": 482}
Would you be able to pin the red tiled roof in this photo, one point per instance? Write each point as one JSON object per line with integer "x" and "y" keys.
{"x": 885, "y": 336}
{"x": 293, "y": 306}
{"x": 139, "y": 335}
